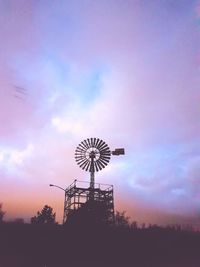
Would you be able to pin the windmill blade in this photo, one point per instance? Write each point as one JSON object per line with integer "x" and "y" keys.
{"x": 97, "y": 142}
{"x": 104, "y": 146}
{"x": 96, "y": 166}
{"x": 79, "y": 151}
{"x": 99, "y": 166}
{"x": 84, "y": 145}
{"x": 105, "y": 155}
{"x": 85, "y": 164}
{"x": 100, "y": 163}
{"x": 107, "y": 149}
{"x": 105, "y": 164}
{"x": 89, "y": 142}
{"x": 106, "y": 161}
{"x": 92, "y": 142}
{"x": 88, "y": 166}
{"x": 85, "y": 142}
{"x": 81, "y": 162}
{"x": 101, "y": 142}
{"x": 79, "y": 158}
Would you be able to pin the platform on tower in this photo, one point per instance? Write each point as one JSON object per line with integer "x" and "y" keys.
{"x": 94, "y": 203}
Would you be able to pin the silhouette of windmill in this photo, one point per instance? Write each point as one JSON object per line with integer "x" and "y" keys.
{"x": 92, "y": 155}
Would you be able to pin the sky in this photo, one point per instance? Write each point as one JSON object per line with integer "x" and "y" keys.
{"x": 124, "y": 71}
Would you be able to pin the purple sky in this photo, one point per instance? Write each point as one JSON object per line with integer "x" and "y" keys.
{"x": 127, "y": 72}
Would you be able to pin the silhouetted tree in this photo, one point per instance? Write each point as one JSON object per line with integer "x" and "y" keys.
{"x": 121, "y": 219}
{"x": 2, "y": 213}
{"x": 134, "y": 225}
{"x": 143, "y": 226}
{"x": 46, "y": 216}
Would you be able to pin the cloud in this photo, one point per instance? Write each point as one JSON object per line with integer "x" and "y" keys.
{"x": 15, "y": 156}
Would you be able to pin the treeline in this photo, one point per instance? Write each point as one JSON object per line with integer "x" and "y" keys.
{"x": 44, "y": 243}
{"x": 121, "y": 220}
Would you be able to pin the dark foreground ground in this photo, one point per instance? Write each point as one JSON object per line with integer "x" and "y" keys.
{"x": 28, "y": 245}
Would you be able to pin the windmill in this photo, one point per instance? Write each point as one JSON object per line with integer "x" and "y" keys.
{"x": 92, "y": 155}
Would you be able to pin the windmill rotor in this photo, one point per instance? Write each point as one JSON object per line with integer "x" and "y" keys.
{"x": 92, "y": 154}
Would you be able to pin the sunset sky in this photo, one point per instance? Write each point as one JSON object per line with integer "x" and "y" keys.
{"x": 125, "y": 71}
